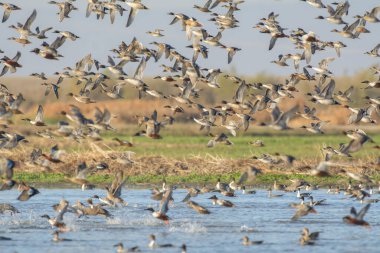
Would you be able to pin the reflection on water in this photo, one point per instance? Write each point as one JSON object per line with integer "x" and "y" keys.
{"x": 255, "y": 215}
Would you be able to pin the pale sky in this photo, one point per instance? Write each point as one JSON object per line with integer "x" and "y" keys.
{"x": 99, "y": 36}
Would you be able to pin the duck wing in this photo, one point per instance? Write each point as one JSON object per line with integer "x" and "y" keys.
{"x": 362, "y": 212}
{"x": 40, "y": 114}
{"x": 30, "y": 20}
{"x": 164, "y": 205}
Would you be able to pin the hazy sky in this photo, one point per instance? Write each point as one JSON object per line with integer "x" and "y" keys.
{"x": 99, "y": 36}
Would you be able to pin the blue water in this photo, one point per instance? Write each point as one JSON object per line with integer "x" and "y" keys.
{"x": 221, "y": 231}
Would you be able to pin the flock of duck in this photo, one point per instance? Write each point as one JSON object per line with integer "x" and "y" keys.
{"x": 235, "y": 115}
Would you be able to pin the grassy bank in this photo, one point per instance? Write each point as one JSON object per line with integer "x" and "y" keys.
{"x": 262, "y": 181}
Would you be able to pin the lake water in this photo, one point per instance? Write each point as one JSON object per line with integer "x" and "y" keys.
{"x": 221, "y": 231}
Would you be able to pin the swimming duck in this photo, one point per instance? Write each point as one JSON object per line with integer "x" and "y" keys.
{"x": 121, "y": 249}
{"x": 152, "y": 243}
{"x": 56, "y": 238}
{"x": 92, "y": 210}
{"x": 221, "y": 202}
{"x": 183, "y": 248}
{"x": 308, "y": 238}
{"x": 244, "y": 191}
{"x": 333, "y": 190}
{"x": 247, "y": 242}
{"x": 200, "y": 209}
{"x": 356, "y": 218}
{"x": 271, "y": 195}
{"x": 317, "y": 202}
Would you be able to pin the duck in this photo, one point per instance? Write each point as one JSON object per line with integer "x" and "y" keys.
{"x": 114, "y": 191}
{"x": 298, "y": 205}
{"x": 221, "y": 202}
{"x": 304, "y": 194}
{"x": 371, "y": 16}
{"x": 156, "y": 33}
{"x": 183, "y": 248}
{"x": 345, "y": 96}
{"x": 153, "y": 244}
{"x": 205, "y": 8}
{"x": 4, "y": 207}
{"x": 56, "y": 237}
{"x": 26, "y": 192}
{"x": 333, "y": 190}
{"x": 8, "y": 8}
{"x": 164, "y": 207}
{"x": 21, "y": 41}
{"x": 308, "y": 238}
{"x": 120, "y": 248}
{"x": 336, "y": 15}
{"x": 81, "y": 98}
{"x": 317, "y": 202}
{"x": 57, "y": 222}
{"x": 38, "y": 121}
{"x": 303, "y": 210}
{"x": 6, "y": 169}
{"x": 123, "y": 142}
{"x": 198, "y": 208}
{"x": 278, "y": 187}
{"x": 271, "y": 195}
{"x": 67, "y": 35}
{"x": 348, "y": 31}
{"x": 315, "y": 3}
{"x": 80, "y": 177}
{"x": 356, "y": 218}
{"x": 10, "y": 64}
{"x": 136, "y": 5}
{"x": 244, "y": 191}
{"x": 314, "y": 128}
{"x": 24, "y": 30}
{"x": 92, "y": 210}
{"x": 248, "y": 242}
{"x": 40, "y": 34}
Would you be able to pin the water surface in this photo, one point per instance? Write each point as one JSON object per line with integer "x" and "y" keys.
{"x": 221, "y": 231}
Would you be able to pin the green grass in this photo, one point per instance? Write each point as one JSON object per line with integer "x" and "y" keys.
{"x": 300, "y": 146}
{"x": 263, "y": 180}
